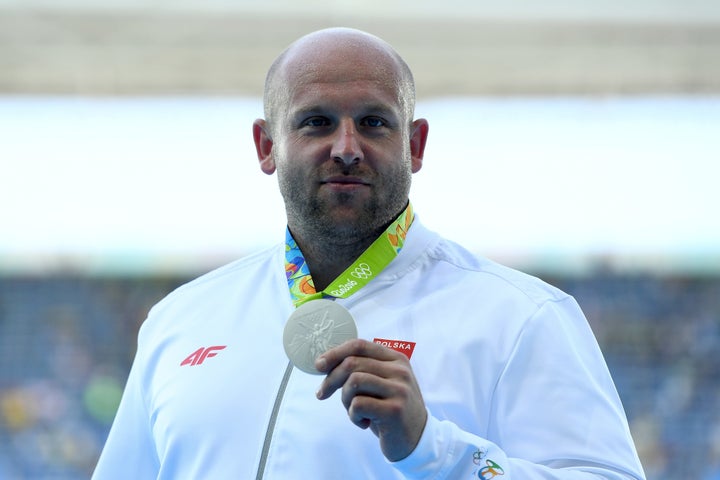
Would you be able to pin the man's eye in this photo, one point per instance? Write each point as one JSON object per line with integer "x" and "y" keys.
{"x": 316, "y": 122}
{"x": 373, "y": 122}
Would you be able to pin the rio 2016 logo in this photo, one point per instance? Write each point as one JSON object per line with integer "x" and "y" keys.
{"x": 492, "y": 470}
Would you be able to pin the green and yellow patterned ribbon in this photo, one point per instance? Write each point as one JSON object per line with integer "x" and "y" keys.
{"x": 367, "y": 266}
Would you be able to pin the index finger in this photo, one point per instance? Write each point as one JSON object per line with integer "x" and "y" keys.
{"x": 356, "y": 347}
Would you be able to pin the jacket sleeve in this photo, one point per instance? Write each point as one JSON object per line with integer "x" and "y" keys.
{"x": 129, "y": 451}
{"x": 555, "y": 414}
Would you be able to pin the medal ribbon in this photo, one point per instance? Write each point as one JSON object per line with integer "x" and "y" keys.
{"x": 366, "y": 267}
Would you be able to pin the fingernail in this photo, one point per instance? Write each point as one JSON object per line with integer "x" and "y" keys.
{"x": 321, "y": 364}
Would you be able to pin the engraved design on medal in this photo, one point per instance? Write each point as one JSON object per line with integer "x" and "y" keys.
{"x": 314, "y": 328}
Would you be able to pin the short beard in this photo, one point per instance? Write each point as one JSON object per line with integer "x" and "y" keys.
{"x": 312, "y": 220}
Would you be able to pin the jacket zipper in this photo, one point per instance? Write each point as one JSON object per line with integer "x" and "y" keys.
{"x": 271, "y": 423}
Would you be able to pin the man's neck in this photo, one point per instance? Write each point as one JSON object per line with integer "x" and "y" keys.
{"x": 327, "y": 260}
{"x": 329, "y": 252}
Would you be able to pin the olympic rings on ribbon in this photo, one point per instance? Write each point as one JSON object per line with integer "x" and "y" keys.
{"x": 362, "y": 271}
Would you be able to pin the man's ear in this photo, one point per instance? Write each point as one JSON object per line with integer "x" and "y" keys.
{"x": 263, "y": 146}
{"x": 418, "y": 138}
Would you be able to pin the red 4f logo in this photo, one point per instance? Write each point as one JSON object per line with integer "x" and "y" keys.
{"x": 199, "y": 355}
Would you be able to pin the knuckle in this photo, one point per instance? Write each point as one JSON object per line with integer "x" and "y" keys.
{"x": 357, "y": 345}
{"x": 361, "y": 405}
{"x": 395, "y": 409}
{"x": 355, "y": 380}
{"x": 351, "y": 364}
{"x": 404, "y": 392}
{"x": 406, "y": 376}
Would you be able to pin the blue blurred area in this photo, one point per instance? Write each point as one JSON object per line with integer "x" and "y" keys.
{"x": 66, "y": 345}
{"x": 67, "y": 342}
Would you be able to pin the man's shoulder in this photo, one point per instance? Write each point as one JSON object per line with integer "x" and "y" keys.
{"x": 511, "y": 280}
{"x": 240, "y": 274}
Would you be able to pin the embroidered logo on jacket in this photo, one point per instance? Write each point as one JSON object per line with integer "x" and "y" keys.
{"x": 401, "y": 346}
{"x": 199, "y": 355}
{"x": 490, "y": 470}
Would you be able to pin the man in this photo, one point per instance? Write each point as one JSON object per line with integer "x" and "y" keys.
{"x": 463, "y": 368}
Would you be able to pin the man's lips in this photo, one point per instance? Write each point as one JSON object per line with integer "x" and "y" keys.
{"x": 344, "y": 181}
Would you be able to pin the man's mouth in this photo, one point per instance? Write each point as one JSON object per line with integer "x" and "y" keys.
{"x": 344, "y": 181}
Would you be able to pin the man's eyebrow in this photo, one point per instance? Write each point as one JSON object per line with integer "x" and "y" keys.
{"x": 309, "y": 110}
{"x": 378, "y": 108}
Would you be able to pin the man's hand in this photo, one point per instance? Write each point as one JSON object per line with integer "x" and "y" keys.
{"x": 379, "y": 391}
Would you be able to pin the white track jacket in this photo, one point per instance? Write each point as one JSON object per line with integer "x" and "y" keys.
{"x": 514, "y": 382}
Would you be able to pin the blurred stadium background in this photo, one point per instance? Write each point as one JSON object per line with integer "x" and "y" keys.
{"x": 584, "y": 133}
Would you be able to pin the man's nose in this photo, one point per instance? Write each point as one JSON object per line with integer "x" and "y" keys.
{"x": 346, "y": 147}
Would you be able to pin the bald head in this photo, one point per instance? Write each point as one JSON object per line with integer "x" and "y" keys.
{"x": 336, "y": 54}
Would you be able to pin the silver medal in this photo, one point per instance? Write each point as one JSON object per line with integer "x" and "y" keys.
{"x": 314, "y": 328}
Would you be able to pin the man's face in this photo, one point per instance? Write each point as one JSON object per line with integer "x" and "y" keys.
{"x": 341, "y": 146}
